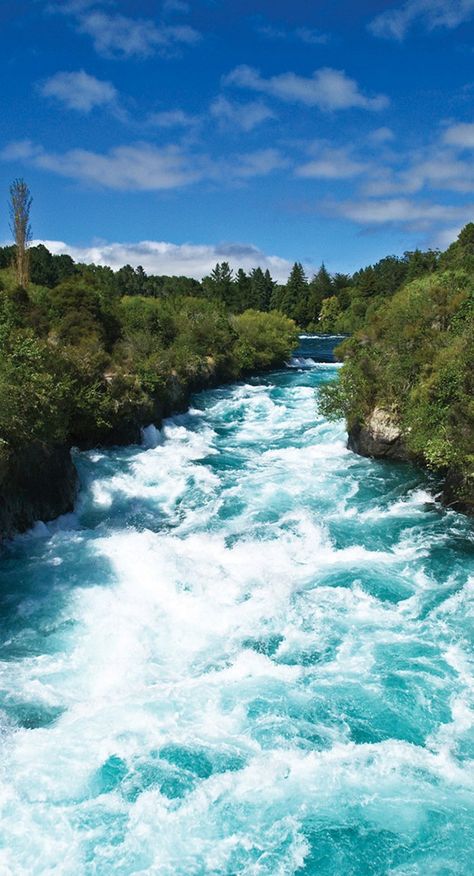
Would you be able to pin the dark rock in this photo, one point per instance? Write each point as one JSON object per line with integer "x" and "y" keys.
{"x": 458, "y": 492}
{"x": 36, "y": 483}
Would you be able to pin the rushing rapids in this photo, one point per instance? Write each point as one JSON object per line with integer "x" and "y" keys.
{"x": 247, "y": 652}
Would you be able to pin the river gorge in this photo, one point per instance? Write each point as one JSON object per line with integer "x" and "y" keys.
{"x": 247, "y": 651}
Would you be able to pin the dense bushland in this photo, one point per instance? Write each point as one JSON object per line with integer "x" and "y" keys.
{"x": 81, "y": 362}
{"x": 414, "y": 357}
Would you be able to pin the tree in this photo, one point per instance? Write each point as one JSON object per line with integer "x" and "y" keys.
{"x": 20, "y": 206}
{"x": 330, "y": 311}
{"x": 295, "y": 294}
{"x": 264, "y": 339}
{"x": 219, "y": 285}
{"x": 319, "y": 288}
{"x": 42, "y": 268}
{"x": 243, "y": 291}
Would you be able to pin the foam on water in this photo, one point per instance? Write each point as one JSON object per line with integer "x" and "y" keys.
{"x": 248, "y": 652}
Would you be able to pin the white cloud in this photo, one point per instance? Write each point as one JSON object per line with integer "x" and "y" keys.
{"x": 79, "y": 91}
{"x": 137, "y": 167}
{"x": 394, "y": 23}
{"x": 245, "y": 116}
{"x": 311, "y": 36}
{"x": 381, "y": 135}
{"x": 250, "y": 164}
{"x": 304, "y": 34}
{"x": 435, "y": 168}
{"x": 120, "y": 36}
{"x": 20, "y": 150}
{"x": 331, "y": 163}
{"x": 417, "y": 214}
{"x": 442, "y": 239}
{"x": 176, "y": 118}
{"x": 144, "y": 166}
{"x": 327, "y": 88}
{"x": 160, "y": 257}
{"x": 461, "y": 135}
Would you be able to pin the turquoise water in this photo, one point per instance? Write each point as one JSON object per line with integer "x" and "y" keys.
{"x": 247, "y": 652}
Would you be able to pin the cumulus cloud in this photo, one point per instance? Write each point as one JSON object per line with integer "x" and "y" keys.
{"x": 461, "y": 135}
{"x": 160, "y": 257}
{"x": 121, "y": 36}
{"x": 394, "y": 23}
{"x": 417, "y": 214}
{"x": 435, "y": 168}
{"x": 176, "y": 118}
{"x": 331, "y": 163}
{"x": 117, "y": 36}
{"x": 244, "y": 116}
{"x": 136, "y": 167}
{"x": 381, "y": 135}
{"x": 327, "y": 88}
{"x": 258, "y": 163}
{"x": 79, "y": 91}
{"x": 144, "y": 166}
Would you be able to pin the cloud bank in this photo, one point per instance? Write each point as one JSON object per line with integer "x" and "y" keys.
{"x": 160, "y": 257}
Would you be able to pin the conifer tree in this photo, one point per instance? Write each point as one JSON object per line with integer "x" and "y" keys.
{"x": 243, "y": 291}
{"x": 219, "y": 285}
{"x": 296, "y": 290}
{"x": 257, "y": 281}
{"x": 320, "y": 288}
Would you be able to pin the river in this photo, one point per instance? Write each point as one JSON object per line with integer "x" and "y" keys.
{"x": 248, "y": 651}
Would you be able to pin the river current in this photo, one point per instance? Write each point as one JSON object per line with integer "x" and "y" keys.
{"x": 248, "y": 651}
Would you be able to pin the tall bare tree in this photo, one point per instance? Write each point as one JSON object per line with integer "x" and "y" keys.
{"x": 20, "y": 206}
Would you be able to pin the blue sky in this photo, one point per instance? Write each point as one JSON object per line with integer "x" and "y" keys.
{"x": 174, "y": 134}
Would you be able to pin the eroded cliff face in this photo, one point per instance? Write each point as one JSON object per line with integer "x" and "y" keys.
{"x": 458, "y": 492}
{"x": 379, "y": 437}
{"x": 40, "y": 483}
{"x": 36, "y": 483}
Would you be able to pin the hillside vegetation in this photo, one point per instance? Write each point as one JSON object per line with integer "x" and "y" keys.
{"x": 85, "y": 359}
{"x": 413, "y": 357}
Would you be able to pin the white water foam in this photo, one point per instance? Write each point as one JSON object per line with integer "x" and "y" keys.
{"x": 252, "y": 671}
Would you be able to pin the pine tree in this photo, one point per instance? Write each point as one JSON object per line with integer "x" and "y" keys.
{"x": 219, "y": 285}
{"x": 294, "y": 297}
{"x": 320, "y": 288}
{"x": 243, "y": 292}
{"x": 269, "y": 287}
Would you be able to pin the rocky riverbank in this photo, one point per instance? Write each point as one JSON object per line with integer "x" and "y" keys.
{"x": 380, "y": 437}
{"x": 36, "y": 483}
{"x": 40, "y": 482}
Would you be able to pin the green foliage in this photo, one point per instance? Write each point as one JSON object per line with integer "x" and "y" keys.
{"x": 264, "y": 339}
{"x": 81, "y": 362}
{"x": 35, "y": 389}
{"x": 47, "y": 269}
{"x": 330, "y": 313}
{"x": 414, "y": 355}
{"x": 293, "y": 299}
